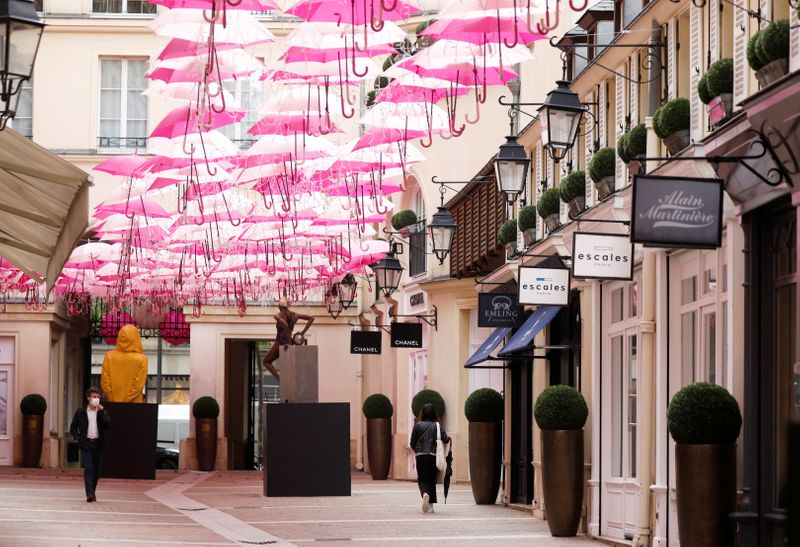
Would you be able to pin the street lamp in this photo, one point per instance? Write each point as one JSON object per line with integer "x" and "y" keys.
{"x": 332, "y": 301}
{"x": 560, "y": 118}
{"x": 20, "y": 33}
{"x": 442, "y": 230}
{"x": 347, "y": 290}
{"x": 511, "y": 168}
{"x": 388, "y": 272}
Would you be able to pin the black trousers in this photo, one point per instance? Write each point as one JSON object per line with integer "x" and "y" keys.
{"x": 91, "y": 466}
{"x": 426, "y": 476}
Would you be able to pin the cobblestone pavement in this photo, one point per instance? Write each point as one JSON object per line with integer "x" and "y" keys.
{"x": 46, "y": 507}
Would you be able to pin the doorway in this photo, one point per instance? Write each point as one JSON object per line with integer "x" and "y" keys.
{"x": 8, "y": 402}
{"x": 521, "y": 472}
{"x": 248, "y": 389}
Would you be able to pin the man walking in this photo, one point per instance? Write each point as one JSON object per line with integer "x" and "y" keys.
{"x": 88, "y": 427}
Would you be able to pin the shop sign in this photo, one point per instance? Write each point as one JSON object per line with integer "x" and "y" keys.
{"x": 499, "y": 310}
{"x": 365, "y": 342}
{"x": 543, "y": 286}
{"x": 602, "y": 256}
{"x": 406, "y": 335}
{"x": 417, "y": 299}
{"x": 677, "y": 212}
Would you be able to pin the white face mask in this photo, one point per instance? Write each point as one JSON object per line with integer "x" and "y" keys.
{"x": 94, "y": 401}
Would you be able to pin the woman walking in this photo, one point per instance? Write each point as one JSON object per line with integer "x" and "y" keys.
{"x": 423, "y": 442}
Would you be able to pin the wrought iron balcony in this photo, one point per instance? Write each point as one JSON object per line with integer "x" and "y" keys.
{"x": 122, "y": 142}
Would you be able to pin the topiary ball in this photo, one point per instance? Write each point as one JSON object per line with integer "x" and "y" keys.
{"x": 774, "y": 42}
{"x": 428, "y": 396}
{"x": 603, "y": 164}
{"x": 526, "y": 218}
{"x": 377, "y": 405}
{"x": 637, "y": 141}
{"x": 704, "y": 413}
{"x": 205, "y": 407}
{"x": 622, "y": 148}
{"x": 507, "y": 232}
{"x": 702, "y": 90}
{"x": 752, "y": 51}
{"x": 560, "y": 407}
{"x": 657, "y": 122}
{"x": 573, "y": 186}
{"x": 719, "y": 77}
{"x": 33, "y": 404}
{"x": 675, "y": 116}
{"x": 484, "y": 405}
{"x": 549, "y": 203}
{"x": 403, "y": 218}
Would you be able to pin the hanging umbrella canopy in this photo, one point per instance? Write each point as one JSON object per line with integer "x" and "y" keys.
{"x": 185, "y": 119}
{"x": 352, "y": 12}
{"x": 191, "y": 25}
{"x": 247, "y": 5}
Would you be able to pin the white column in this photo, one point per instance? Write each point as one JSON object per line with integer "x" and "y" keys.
{"x": 595, "y": 356}
{"x": 660, "y": 488}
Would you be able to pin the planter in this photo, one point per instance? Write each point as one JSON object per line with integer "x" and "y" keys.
{"x": 605, "y": 187}
{"x": 32, "y": 428}
{"x": 484, "y": 460}
{"x": 677, "y": 141}
{"x": 529, "y": 236}
{"x": 772, "y": 72}
{"x": 576, "y": 205}
{"x": 720, "y": 108}
{"x": 633, "y": 166}
{"x": 205, "y": 430}
{"x": 562, "y": 480}
{"x": 379, "y": 447}
{"x": 553, "y": 222}
{"x": 511, "y": 249}
{"x": 705, "y": 476}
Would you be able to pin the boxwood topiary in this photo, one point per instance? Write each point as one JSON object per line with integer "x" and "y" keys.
{"x": 205, "y": 407}
{"x": 377, "y": 405}
{"x": 573, "y": 186}
{"x": 703, "y": 91}
{"x": 752, "y": 51}
{"x": 526, "y": 218}
{"x": 675, "y": 116}
{"x": 704, "y": 413}
{"x": 428, "y": 396}
{"x": 403, "y": 218}
{"x": 719, "y": 77}
{"x": 637, "y": 141}
{"x": 33, "y": 404}
{"x": 657, "y": 122}
{"x": 548, "y": 203}
{"x": 507, "y": 231}
{"x": 622, "y": 147}
{"x": 774, "y": 42}
{"x": 560, "y": 407}
{"x": 484, "y": 405}
{"x": 602, "y": 164}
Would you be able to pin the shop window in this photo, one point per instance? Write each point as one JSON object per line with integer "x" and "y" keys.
{"x": 632, "y": 376}
{"x": 616, "y": 305}
{"x": 688, "y": 346}
{"x": 689, "y": 290}
{"x": 174, "y": 389}
{"x": 123, "y": 108}
{"x": 616, "y": 405}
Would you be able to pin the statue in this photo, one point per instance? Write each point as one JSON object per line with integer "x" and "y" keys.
{"x": 124, "y": 370}
{"x": 285, "y": 321}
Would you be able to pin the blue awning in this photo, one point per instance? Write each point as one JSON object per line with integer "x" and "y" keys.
{"x": 527, "y": 332}
{"x": 483, "y": 352}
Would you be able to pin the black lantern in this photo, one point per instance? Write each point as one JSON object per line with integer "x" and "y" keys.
{"x": 20, "y": 33}
{"x": 332, "y": 302}
{"x": 388, "y": 272}
{"x": 511, "y": 168}
{"x": 442, "y": 228}
{"x": 347, "y": 290}
{"x": 559, "y": 119}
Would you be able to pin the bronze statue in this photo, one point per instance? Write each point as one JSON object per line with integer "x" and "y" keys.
{"x": 285, "y": 321}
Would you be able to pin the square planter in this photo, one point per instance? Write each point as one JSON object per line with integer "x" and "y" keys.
{"x": 677, "y": 141}
{"x": 576, "y": 206}
{"x": 511, "y": 249}
{"x": 605, "y": 187}
{"x": 772, "y": 72}
{"x": 720, "y": 108}
{"x": 552, "y": 222}
{"x": 634, "y": 166}
{"x": 529, "y": 237}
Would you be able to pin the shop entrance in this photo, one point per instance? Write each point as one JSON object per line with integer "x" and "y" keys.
{"x": 521, "y": 472}
{"x": 248, "y": 388}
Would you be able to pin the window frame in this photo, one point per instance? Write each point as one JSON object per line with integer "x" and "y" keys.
{"x": 123, "y": 137}
{"x": 124, "y": 10}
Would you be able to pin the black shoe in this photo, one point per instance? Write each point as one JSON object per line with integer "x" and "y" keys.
{"x": 91, "y": 497}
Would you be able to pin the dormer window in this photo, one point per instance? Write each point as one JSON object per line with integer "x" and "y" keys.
{"x": 625, "y": 11}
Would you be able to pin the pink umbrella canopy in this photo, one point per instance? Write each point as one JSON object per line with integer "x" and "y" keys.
{"x": 353, "y": 12}
{"x": 185, "y": 119}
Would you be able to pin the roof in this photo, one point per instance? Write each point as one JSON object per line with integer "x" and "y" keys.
{"x": 601, "y": 11}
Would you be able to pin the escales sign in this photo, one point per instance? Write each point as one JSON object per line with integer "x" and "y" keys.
{"x": 602, "y": 256}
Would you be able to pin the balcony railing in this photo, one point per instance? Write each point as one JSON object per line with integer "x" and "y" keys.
{"x": 122, "y": 142}
{"x": 416, "y": 254}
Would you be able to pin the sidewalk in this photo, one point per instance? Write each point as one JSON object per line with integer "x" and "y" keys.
{"x": 46, "y": 507}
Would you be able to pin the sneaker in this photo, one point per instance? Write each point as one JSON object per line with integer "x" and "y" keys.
{"x": 426, "y": 504}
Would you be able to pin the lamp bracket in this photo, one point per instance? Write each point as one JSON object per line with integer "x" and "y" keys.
{"x": 431, "y": 318}
{"x": 653, "y": 57}
{"x": 564, "y": 258}
{"x": 577, "y": 218}
{"x": 358, "y": 326}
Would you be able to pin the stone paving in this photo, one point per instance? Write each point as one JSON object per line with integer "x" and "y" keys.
{"x": 47, "y": 507}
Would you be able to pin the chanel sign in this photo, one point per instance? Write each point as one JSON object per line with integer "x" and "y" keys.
{"x": 498, "y": 310}
{"x": 677, "y": 212}
{"x": 543, "y": 286}
{"x": 602, "y": 256}
{"x": 365, "y": 342}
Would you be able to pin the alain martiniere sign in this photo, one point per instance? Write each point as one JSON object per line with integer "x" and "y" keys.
{"x": 366, "y": 342}
{"x": 602, "y": 256}
{"x": 406, "y": 335}
{"x": 543, "y": 286}
{"x": 677, "y": 212}
{"x": 499, "y": 310}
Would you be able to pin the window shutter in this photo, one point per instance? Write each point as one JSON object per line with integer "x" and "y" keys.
{"x": 740, "y": 66}
{"x": 601, "y": 111}
{"x": 634, "y": 89}
{"x": 766, "y": 11}
{"x": 794, "y": 40}
{"x": 619, "y": 170}
{"x": 713, "y": 34}
{"x": 696, "y": 54}
{"x": 589, "y": 147}
{"x": 672, "y": 55}
{"x": 539, "y": 178}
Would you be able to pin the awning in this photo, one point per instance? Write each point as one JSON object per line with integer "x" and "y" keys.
{"x": 483, "y": 352}
{"x": 532, "y": 326}
{"x": 44, "y": 209}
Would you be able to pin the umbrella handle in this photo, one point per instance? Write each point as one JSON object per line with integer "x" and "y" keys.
{"x": 516, "y": 28}
{"x": 545, "y": 25}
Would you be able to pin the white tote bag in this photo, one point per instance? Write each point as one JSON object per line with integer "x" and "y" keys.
{"x": 441, "y": 463}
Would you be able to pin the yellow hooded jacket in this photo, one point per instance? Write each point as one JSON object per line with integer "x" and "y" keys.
{"x": 125, "y": 368}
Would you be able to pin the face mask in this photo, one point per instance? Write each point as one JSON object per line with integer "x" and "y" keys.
{"x": 95, "y": 401}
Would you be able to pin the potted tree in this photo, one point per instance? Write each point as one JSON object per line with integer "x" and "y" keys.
{"x": 622, "y": 147}
{"x": 772, "y": 49}
{"x": 716, "y": 90}
{"x": 403, "y": 219}
{"x": 33, "y": 407}
{"x": 484, "y": 411}
{"x": 507, "y": 234}
{"x": 601, "y": 171}
{"x": 549, "y": 207}
{"x": 561, "y": 412}
{"x": 205, "y": 411}
{"x": 378, "y": 410}
{"x": 573, "y": 192}
{"x": 428, "y": 396}
{"x": 704, "y": 420}
{"x": 636, "y": 146}
{"x": 526, "y": 221}
{"x": 671, "y": 123}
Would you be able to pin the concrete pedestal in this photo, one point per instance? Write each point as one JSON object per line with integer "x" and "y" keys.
{"x": 130, "y": 451}
{"x": 299, "y": 368}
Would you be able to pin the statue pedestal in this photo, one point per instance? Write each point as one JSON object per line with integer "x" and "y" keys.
{"x": 299, "y": 368}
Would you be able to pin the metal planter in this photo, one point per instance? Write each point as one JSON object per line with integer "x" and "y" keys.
{"x": 379, "y": 447}
{"x": 553, "y": 222}
{"x": 562, "y": 480}
{"x": 529, "y": 237}
{"x": 577, "y": 205}
{"x": 605, "y": 187}
{"x": 205, "y": 430}
{"x": 705, "y": 477}
{"x": 720, "y": 108}
{"x": 772, "y": 72}
{"x": 485, "y": 444}
{"x": 677, "y": 141}
{"x": 32, "y": 429}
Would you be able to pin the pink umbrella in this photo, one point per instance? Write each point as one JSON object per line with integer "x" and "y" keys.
{"x": 396, "y": 92}
{"x": 353, "y": 12}
{"x": 483, "y": 30}
{"x": 171, "y": 75}
{"x": 249, "y": 5}
{"x": 137, "y": 206}
{"x": 128, "y": 166}
{"x": 298, "y": 53}
{"x": 185, "y": 119}
{"x": 382, "y": 135}
{"x": 178, "y": 47}
{"x": 290, "y": 123}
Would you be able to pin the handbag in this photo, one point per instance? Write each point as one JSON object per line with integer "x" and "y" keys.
{"x": 441, "y": 462}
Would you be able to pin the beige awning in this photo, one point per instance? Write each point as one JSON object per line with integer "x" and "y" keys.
{"x": 44, "y": 207}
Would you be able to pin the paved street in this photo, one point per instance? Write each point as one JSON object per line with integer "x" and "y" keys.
{"x": 42, "y": 507}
